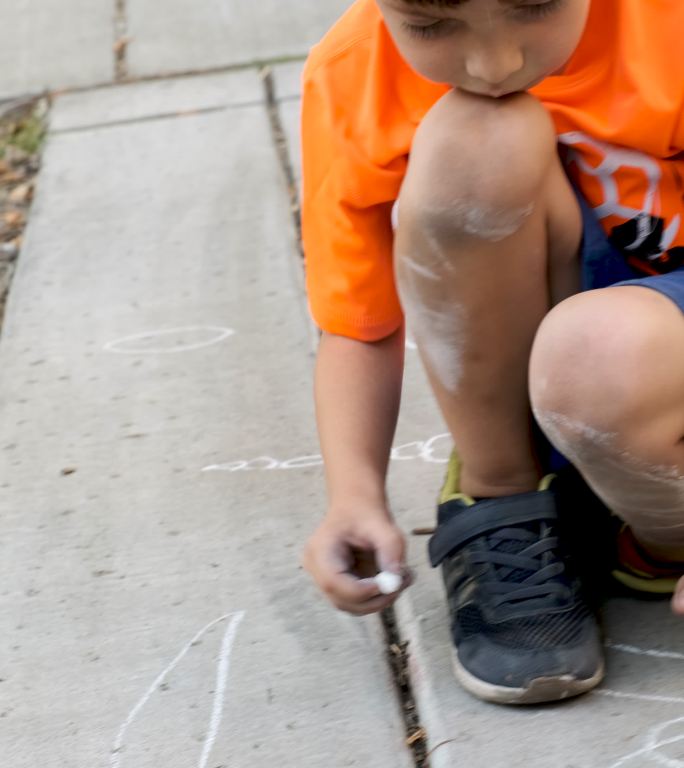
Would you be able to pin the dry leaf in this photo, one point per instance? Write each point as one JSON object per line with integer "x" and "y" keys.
{"x": 13, "y": 218}
{"x": 21, "y": 194}
{"x": 417, "y": 736}
{"x": 120, "y": 45}
{"x": 11, "y": 176}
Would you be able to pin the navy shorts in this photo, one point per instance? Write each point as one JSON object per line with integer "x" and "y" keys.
{"x": 603, "y": 265}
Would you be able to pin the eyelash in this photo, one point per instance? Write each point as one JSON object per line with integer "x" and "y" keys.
{"x": 423, "y": 32}
{"x": 528, "y": 12}
{"x": 539, "y": 11}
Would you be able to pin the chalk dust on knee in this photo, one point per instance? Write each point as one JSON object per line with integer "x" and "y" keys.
{"x": 648, "y": 496}
{"x": 487, "y": 222}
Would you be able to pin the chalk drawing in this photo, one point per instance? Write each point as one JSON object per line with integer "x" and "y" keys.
{"x": 653, "y": 740}
{"x": 137, "y": 344}
{"x": 436, "y": 450}
{"x": 219, "y": 690}
{"x": 638, "y": 696}
{"x": 653, "y": 743}
{"x": 645, "y": 651}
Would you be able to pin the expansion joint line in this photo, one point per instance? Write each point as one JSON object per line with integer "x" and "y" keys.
{"x": 121, "y": 41}
{"x": 398, "y": 658}
{"x": 280, "y": 141}
{"x": 397, "y": 652}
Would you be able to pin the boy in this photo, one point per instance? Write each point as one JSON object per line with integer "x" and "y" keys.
{"x": 535, "y": 256}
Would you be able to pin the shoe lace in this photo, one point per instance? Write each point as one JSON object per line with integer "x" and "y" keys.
{"x": 520, "y": 568}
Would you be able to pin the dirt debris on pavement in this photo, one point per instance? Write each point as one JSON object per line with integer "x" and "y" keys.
{"x": 398, "y": 657}
{"x": 22, "y": 130}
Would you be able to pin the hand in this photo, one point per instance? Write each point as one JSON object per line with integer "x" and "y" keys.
{"x": 347, "y": 551}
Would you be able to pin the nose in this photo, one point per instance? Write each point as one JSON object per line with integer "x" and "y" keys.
{"x": 493, "y": 65}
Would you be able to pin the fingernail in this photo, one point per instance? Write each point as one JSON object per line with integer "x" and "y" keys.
{"x": 367, "y": 582}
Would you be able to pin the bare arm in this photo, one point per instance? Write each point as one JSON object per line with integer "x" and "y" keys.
{"x": 358, "y": 389}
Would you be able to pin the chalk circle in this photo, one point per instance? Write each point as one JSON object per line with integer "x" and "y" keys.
{"x": 169, "y": 341}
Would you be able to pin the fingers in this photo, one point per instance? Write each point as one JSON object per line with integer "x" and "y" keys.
{"x": 339, "y": 566}
{"x": 371, "y": 602}
{"x": 390, "y": 548}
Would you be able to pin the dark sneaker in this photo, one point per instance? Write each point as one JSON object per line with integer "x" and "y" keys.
{"x": 521, "y": 629}
{"x": 588, "y": 530}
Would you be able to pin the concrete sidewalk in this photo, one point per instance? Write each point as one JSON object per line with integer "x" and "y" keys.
{"x": 156, "y": 608}
{"x": 57, "y": 44}
{"x": 159, "y": 469}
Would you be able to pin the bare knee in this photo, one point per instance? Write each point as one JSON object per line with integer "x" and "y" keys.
{"x": 596, "y": 368}
{"x": 477, "y": 166}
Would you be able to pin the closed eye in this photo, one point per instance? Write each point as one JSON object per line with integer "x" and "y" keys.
{"x": 427, "y": 31}
{"x": 539, "y": 10}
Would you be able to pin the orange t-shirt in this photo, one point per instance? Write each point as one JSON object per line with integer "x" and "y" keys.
{"x": 617, "y": 108}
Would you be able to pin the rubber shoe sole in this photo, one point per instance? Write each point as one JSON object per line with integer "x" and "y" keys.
{"x": 541, "y": 690}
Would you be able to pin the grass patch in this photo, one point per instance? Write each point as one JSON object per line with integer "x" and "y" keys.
{"x": 23, "y": 126}
{"x": 24, "y": 129}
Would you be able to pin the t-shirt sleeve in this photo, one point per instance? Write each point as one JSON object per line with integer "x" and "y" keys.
{"x": 351, "y": 179}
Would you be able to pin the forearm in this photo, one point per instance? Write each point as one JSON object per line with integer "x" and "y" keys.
{"x": 358, "y": 390}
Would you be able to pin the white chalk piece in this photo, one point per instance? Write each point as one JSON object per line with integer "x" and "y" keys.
{"x": 388, "y": 583}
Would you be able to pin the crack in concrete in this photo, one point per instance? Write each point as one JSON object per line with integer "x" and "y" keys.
{"x": 398, "y": 659}
{"x": 280, "y": 141}
{"x": 241, "y": 66}
{"x": 121, "y": 41}
{"x": 397, "y": 653}
{"x": 191, "y": 112}
{"x": 123, "y": 122}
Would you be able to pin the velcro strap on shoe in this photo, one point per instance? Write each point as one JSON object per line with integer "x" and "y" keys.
{"x": 468, "y": 523}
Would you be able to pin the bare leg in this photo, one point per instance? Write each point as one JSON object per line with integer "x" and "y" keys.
{"x": 484, "y": 197}
{"x": 607, "y": 385}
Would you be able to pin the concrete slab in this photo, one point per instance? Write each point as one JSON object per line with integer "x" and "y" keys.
{"x": 55, "y": 44}
{"x": 288, "y": 79}
{"x": 633, "y": 721}
{"x": 188, "y": 35}
{"x": 143, "y": 100}
{"x": 155, "y": 613}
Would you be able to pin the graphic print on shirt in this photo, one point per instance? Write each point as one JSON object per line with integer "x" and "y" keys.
{"x": 628, "y": 187}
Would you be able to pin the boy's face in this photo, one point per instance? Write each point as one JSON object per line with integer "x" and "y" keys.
{"x": 487, "y": 47}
